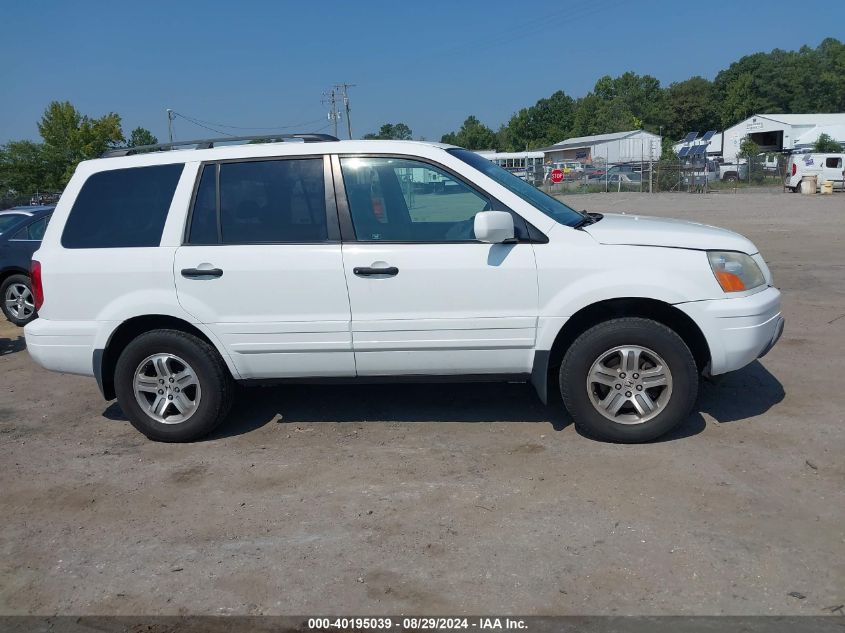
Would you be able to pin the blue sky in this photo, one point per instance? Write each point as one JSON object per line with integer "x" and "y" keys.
{"x": 428, "y": 64}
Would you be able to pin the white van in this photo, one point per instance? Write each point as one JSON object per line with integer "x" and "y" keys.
{"x": 170, "y": 275}
{"x": 823, "y": 166}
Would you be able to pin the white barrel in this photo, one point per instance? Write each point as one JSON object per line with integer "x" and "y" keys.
{"x": 808, "y": 185}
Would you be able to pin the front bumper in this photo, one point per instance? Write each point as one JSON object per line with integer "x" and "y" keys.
{"x": 738, "y": 330}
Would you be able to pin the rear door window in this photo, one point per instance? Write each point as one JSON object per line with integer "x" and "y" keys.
{"x": 833, "y": 161}
{"x": 122, "y": 208}
{"x": 260, "y": 202}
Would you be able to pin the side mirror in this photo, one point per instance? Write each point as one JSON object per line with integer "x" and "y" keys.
{"x": 493, "y": 227}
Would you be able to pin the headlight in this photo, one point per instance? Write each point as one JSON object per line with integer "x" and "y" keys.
{"x": 735, "y": 272}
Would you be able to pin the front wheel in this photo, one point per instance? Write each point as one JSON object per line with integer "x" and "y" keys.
{"x": 173, "y": 386}
{"x": 628, "y": 380}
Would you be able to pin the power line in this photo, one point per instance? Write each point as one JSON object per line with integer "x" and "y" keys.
{"x": 190, "y": 120}
{"x": 243, "y": 127}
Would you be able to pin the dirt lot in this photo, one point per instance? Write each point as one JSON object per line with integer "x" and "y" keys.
{"x": 461, "y": 499}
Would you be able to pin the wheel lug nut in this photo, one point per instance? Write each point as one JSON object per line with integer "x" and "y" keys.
{"x": 622, "y": 374}
{"x": 171, "y": 380}
{"x": 636, "y": 376}
{"x": 170, "y": 397}
{"x": 160, "y": 391}
{"x": 619, "y": 386}
{"x": 177, "y": 389}
{"x": 627, "y": 394}
{"x": 639, "y": 387}
{"x": 161, "y": 381}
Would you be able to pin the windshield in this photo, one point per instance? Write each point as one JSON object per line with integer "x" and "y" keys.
{"x": 551, "y": 207}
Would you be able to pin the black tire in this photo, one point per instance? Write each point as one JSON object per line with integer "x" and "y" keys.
{"x": 16, "y": 280}
{"x": 605, "y": 336}
{"x": 216, "y": 384}
{"x": 730, "y": 178}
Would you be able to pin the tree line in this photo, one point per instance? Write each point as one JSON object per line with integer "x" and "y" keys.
{"x": 807, "y": 80}
{"x": 67, "y": 137}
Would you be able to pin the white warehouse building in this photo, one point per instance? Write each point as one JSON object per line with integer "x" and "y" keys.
{"x": 780, "y": 132}
{"x": 618, "y": 147}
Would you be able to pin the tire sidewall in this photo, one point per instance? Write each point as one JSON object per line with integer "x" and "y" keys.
{"x": 633, "y": 331}
{"x": 19, "y": 278}
{"x": 189, "y": 348}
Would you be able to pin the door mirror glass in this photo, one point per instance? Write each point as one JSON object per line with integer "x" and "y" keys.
{"x": 493, "y": 227}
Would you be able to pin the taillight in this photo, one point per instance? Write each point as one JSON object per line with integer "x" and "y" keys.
{"x": 794, "y": 169}
{"x": 35, "y": 280}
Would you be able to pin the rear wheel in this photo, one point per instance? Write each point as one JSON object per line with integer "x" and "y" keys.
{"x": 18, "y": 303}
{"x": 173, "y": 386}
{"x": 628, "y": 380}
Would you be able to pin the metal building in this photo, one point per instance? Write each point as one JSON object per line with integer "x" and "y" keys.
{"x": 781, "y": 132}
{"x": 615, "y": 148}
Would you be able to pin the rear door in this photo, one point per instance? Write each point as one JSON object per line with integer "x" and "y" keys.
{"x": 832, "y": 169}
{"x": 261, "y": 265}
{"x": 427, "y": 297}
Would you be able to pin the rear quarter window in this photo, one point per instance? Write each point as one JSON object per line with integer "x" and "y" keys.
{"x": 122, "y": 208}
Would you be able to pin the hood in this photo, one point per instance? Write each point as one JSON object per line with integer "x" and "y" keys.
{"x": 643, "y": 230}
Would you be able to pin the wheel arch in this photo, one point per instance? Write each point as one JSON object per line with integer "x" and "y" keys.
{"x": 105, "y": 360}
{"x": 12, "y": 270}
{"x": 546, "y": 361}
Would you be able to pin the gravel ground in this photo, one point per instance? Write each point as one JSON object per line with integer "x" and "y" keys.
{"x": 461, "y": 498}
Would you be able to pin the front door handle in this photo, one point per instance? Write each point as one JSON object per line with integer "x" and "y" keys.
{"x": 201, "y": 273}
{"x": 366, "y": 271}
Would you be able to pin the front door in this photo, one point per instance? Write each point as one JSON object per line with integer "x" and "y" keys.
{"x": 262, "y": 267}
{"x": 426, "y": 296}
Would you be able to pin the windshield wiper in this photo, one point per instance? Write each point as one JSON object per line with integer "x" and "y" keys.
{"x": 587, "y": 219}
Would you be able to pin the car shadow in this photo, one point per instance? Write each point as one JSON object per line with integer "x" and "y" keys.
{"x": 747, "y": 393}
{"x": 740, "y": 395}
{"x": 12, "y": 345}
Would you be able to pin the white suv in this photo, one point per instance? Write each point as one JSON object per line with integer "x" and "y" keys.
{"x": 169, "y": 275}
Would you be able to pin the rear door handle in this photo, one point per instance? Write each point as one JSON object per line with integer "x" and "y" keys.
{"x": 366, "y": 271}
{"x": 200, "y": 273}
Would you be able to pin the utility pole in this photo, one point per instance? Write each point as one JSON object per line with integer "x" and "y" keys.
{"x": 344, "y": 90}
{"x": 170, "y": 117}
{"x": 330, "y": 98}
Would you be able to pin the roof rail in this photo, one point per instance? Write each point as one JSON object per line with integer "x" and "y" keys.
{"x": 211, "y": 142}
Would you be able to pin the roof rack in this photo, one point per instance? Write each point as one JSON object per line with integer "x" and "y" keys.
{"x": 211, "y": 142}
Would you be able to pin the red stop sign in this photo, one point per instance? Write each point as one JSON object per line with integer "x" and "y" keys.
{"x": 557, "y": 175}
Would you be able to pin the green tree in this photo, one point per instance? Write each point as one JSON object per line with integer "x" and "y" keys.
{"x": 23, "y": 167}
{"x": 741, "y": 100}
{"x": 825, "y": 144}
{"x": 392, "y": 131}
{"x": 750, "y": 151}
{"x": 70, "y": 137}
{"x": 472, "y": 135}
{"x": 141, "y": 136}
{"x": 547, "y": 122}
{"x": 748, "y": 148}
{"x": 690, "y": 105}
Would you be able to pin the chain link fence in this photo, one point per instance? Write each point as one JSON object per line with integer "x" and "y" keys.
{"x": 9, "y": 200}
